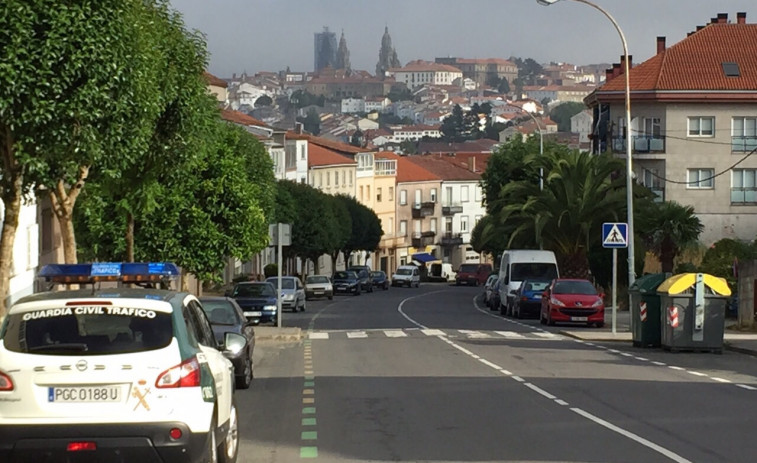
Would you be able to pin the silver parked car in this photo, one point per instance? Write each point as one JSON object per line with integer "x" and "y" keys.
{"x": 318, "y": 286}
{"x": 292, "y": 292}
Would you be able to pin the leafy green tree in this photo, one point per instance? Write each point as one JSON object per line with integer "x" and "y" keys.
{"x": 303, "y": 98}
{"x": 339, "y": 225}
{"x": 310, "y": 237}
{"x": 391, "y": 119}
{"x": 366, "y": 227}
{"x": 667, "y": 227}
{"x": 580, "y": 193}
{"x": 357, "y": 138}
{"x": 563, "y": 112}
{"x": 509, "y": 164}
{"x": 722, "y": 258}
{"x": 400, "y": 93}
{"x": 453, "y": 126}
{"x": 528, "y": 70}
{"x": 409, "y": 146}
{"x": 488, "y": 237}
{"x": 73, "y": 92}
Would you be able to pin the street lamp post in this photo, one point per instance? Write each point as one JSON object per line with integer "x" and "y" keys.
{"x": 629, "y": 169}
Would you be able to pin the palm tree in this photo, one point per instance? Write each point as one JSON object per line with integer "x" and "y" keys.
{"x": 580, "y": 193}
{"x": 667, "y": 228}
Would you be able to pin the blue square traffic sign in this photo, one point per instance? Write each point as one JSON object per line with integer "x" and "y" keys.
{"x": 614, "y": 235}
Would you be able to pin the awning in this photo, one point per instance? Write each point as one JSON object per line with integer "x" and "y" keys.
{"x": 424, "y": 257}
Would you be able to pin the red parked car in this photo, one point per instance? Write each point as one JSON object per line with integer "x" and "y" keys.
{"x": 572, "y": 301}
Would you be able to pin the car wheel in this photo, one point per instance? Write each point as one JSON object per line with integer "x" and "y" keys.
{"x": 244, "y": 381}
{"x": 304, "y": 305}
{"x": 229, "y": 447}
{"x": 516, "y": 311}
{"x": 600, "y": 324}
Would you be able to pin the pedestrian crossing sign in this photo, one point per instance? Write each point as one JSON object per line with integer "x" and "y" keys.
{"x": 614, "y": 235}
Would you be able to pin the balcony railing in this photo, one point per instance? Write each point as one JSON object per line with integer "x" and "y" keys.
{"x": 641, "y": 144}
{"x": 452, "y": 209}
{"x": 423, "y": 239}
{"x": 452, "y": 239}
{"x": 421, "y": 210}
{"x": 743, "y": 144}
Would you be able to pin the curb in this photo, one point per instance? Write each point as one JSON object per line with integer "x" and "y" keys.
{"x": 272, "y": 334}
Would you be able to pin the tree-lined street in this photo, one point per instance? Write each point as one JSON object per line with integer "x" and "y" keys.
{"x": 429, "y": 375}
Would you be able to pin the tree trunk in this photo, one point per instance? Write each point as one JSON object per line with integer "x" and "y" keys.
{"x": 12, "y": 192}
{"x": 12, "y": 202}
{"x": 667, "y": 255}
{"x": 63, "y": 202}
{"x": 129, "y": 237}
{"x": 575, "y": 265}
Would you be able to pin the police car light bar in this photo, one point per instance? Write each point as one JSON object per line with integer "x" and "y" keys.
{"x": 125, "y": 272}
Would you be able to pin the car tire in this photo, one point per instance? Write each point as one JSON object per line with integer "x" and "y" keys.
{"x": 600, "y": 324}
{"x": 304, "y": 306}
{"x": 244, "y": 381}
{"x": 228, "y": 449}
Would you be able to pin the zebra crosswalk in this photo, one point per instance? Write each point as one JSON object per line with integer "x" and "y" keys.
{"x": 418, "y": 332}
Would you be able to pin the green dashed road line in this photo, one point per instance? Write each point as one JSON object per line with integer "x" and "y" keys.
{"x": 308, "y": 452}
{"x": 309, "y": 435}
{"x": 308, "y": 411}
{"x": 308, "y": 421}
{"x": 309, "y": 384}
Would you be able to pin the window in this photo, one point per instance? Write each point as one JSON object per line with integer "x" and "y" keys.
{"x": 743, "y": 133}
{"x": 350, "y": 178}
{"x": 368, "y": 192}
{"x": 652, "y": 127}
{"x": 391, "y": 224}
{"x": 744, "y": 186}
{"x": 448, "y": 195}
{"x": 361, "y": 193}
{"x": 464, "y": 223}
{"x": 701, "y": 126}
{"x": 403, "y": 227}
{"x": 391, "y": 193}
{"x": 336, "y": 178}
{"x": 344, "y": 179}
{"x": 302, "y": 153}
{"x": 378, "y": 195}
{"x": 464, "y": 194}
{"x": 433, "y": 195}
{"x": 403, "y": 197}
{"x": 418, "y": 197}
{"x": 320, "y": 179}
{"x": 700, "y": 178}
{"x": 433, "y": 225}
{"x": 478, "y": 194}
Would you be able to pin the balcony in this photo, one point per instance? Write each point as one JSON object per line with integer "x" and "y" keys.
{"x": 452, "y": 209}
{"x": 452, "y": 239}
{"x": 743, "y": 144}
{"x": 641, "y": 144}
{"x": 423, "y": 239}
{"x": 421, "y": 210}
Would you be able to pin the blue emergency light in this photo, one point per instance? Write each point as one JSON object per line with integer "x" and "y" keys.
{"x": 124, "y": 272}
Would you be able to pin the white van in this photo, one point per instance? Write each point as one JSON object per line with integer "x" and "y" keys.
{"x": 517, "y": 265}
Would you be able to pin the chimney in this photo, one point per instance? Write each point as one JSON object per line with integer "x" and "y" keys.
{"x": 660, "y": 44}
{"x": 608, "y": 74}
{"x": 298, "y": 127}
{"x": 472, "y": 164}
{"x": 722, "y": 18}
{"x": 615, "y": 69}
{"x": 713, "y": 21}
{"x": 741, "y": 17}
{"x": 623, "y": 63}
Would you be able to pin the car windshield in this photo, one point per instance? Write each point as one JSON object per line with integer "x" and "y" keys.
{"x": 345, "y": 275}
{"x": 468, "y": 268}
{"x": 88, "y": 330}
{"x": 378, "y": 274}
{"x": 220, "y": 312}
{"x": 574, "y": 287}
{"x": 404, "y": 271}
{"x": 542, "y": 271}
{"x": 535, "y": 285}
{"x": 317, "y": 279}
{"x": 254, "y": 290}
{"x": 286, "y": 283}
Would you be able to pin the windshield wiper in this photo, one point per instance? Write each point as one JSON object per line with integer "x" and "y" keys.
{"x": 72, "y": 346}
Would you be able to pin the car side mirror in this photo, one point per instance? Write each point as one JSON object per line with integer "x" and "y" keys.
{"x": 233, "y": 343}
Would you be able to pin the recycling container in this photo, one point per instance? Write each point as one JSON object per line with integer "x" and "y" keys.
{"x": 693, "y": 312}
{"x": 645, "y": 310}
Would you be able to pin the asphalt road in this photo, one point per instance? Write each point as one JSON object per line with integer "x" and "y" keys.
{"x": 428, "y": 375}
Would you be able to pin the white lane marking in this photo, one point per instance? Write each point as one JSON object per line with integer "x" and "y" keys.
{"x": 561, "y": 402}
{"x": 506, "y": 372}
{"x": 489, "y": 364}
{"x": 641, "y": 359}
{"x": 673, "y": 367}
{"x": 614, "y": 351}
{"x": 429, "y": 332}
{"x": 747, "y": 387}
{"x": 518, "y": 379}
{"x": 395, "y": 334}
{"x": 696, "y": 373}
{"x": 626, "y": 354}
{"x": 659, "y": 364}
{"x": 318, "y": 336}
{"x": 357, "y": 334}
{"x": 545, "y": 334}
{"x": 510, "y": 334}
{"x": 721, "y": 380}
{"x": 540, "y": 391}
{"x": 474, "y": 334}
{"x": 657, "y": 448}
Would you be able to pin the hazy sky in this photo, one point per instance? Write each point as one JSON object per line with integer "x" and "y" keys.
{"x": 269, "y": 35}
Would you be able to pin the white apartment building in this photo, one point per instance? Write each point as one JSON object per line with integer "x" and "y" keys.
{"x": 419, "y": 73}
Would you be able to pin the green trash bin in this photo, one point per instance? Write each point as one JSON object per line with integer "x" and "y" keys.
{"x": 645, "y": 310}
{"x": 693, "y": 318}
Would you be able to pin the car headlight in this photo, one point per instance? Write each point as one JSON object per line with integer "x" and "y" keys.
{"x": 598, "y": 303}
{"x": 288, "y": 297}
{"x": 556, "y": 302}
{"x": 269, "y": 308}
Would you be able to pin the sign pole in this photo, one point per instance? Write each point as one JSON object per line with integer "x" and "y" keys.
{"x": 279, "y": 264}
{"x": 614, "y": 289}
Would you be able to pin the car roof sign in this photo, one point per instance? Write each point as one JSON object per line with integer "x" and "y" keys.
{"x": 125, "y": 272}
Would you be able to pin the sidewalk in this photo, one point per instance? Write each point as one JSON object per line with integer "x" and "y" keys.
{"x": 738, "y": 341}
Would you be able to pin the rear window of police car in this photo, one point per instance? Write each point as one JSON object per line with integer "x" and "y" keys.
{"x": 87, "y": 330}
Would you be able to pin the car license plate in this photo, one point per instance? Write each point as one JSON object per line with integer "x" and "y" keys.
{"x": 84, "y": 394}
{"x": 253, "y": 314}
{"x": 579, "y": 319}
{"x": 536, "y": 296}
{"x": 318, "y": 293}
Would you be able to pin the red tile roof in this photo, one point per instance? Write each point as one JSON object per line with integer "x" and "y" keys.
{"x": 695, "y": 63}
{"x": 215, "y": 81}
{"x": 407, "y": 171}
{"x": 320, "y": 156}
{"x": 463, "y": 160}
{"x": 444, "y": 170}
{"x": 241, "y": 118}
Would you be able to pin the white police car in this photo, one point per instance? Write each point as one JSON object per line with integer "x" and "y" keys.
{"x": 114, "y": 374}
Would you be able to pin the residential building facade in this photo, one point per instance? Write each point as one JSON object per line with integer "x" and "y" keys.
{"x": 419, "y": 73}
